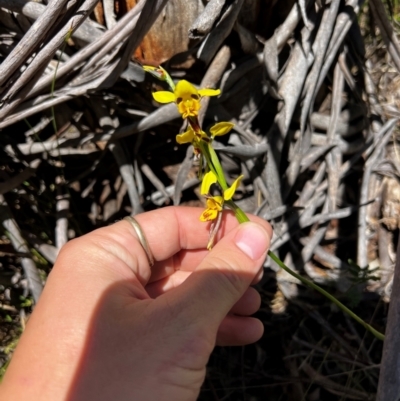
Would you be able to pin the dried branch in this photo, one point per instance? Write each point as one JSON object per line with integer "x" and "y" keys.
{"x": 31, "y": 40}
{"x": 31, "y": 272}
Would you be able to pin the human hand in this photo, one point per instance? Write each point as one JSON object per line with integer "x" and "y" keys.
{"x": 108, "y": 327}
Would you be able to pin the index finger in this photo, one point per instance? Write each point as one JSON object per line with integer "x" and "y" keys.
{"x": 168, "y": 231}
{"x": 171, "y": 229}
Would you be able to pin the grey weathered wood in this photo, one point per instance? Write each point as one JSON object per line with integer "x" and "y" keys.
{"x": 30, "y": 74}
{"x": 387, "y": 31}
{"x": 316, "y": 237}
{"x": 285, "y": 30}
{"x": 31, "y": 40}
{"x": 126, "y": 171}
{"x": 343, "y": 23}
{"x": 159, "y": 199}
{"x": 183, "y": 172}
{"x": 48, "y": 101}
{"x": 384, "y": 135}
{"x": 109, "y": 15}
{"x": 152, "y": 177}
{"x": 62, "y": 208}
{"x": 28, "y": 265}
{"x": 205, "y": 21}
{"x": 224, "y": 27}
{"x": 110, "y": 38}
{"x": 160, "y": 116}
{"x": 87, "y": 32}
{"x": 320, "y": 47}
{"x": 115, "y": 36}
{"x": 334, "y": 157}
{"x": 213, "y": 76}
{"x": 246, "y": 151}
{"x": 151, "y": 10}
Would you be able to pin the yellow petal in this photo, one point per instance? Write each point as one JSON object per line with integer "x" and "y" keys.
{"x": 164, "y": 97}
{"x": 209, "y": 214}
{"x": 184, "y": 90}
{"x": 188, "y": 108}
{"x": 185, "y": 137}
{"x": 201, "y": 135}
{"x": 221, "y": 128}
{"x": 208, "y": 179}
{"x": 209, "y": 92}
{"x": 150, "y": 68}
{"x": 231, "y": 190}
{"x": 215, "y": 203}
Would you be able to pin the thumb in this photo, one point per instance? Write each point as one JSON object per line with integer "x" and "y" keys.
{"x": 224, "y": 274}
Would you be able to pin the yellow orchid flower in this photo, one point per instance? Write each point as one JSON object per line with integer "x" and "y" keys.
{"x": 214, "y": 204}
{"x": 190, "y": 136}
{"x": 186, "y": 97}
{"x": 221, "y": 128}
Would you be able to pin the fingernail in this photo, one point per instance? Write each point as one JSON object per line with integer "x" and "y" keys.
{"x": 252, "y": 240}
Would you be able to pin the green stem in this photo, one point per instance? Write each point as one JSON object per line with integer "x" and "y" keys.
{"x": 204, "y": 151}
{"x": 316, "y": 287}
{"x": 242, "y": 218}
{"x": 239, "y": 213}
{"x": 166, "y": 77}
{"x": 214, "y": 164}
{"x": 218, "y": 168}
{"x": 170, "y": 82}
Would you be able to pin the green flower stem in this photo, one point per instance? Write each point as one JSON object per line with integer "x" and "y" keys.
{"x": 204, "y": 151}
{"x": 316, "y": 287}
{"x": 169, "y": 81}
{"x": 165, "y": 77}
{"x": 239, "y": 213}
{"x": 242, "y": 218}
{"x": 214, "y": 164}
{"x": 218, "y": 168}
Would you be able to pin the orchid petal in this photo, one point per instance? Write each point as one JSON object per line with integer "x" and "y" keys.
{"x": 208, "y": 179}
{"x": 188, "y": 108}
{"x": 215, "y": 203}
{"x": 228, "y": 193}
{"x": 208, "y": 215}
{"x": 221, "y": 128}
{"x": 164, "y": 97}
{"x": 209, "y": 92}
{"x": 184, "y": 90}
{"x": 203, "y": 135}
{"x": 185, "y": 137}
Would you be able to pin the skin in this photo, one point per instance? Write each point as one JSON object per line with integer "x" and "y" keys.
{"x": 107, "y": 327}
